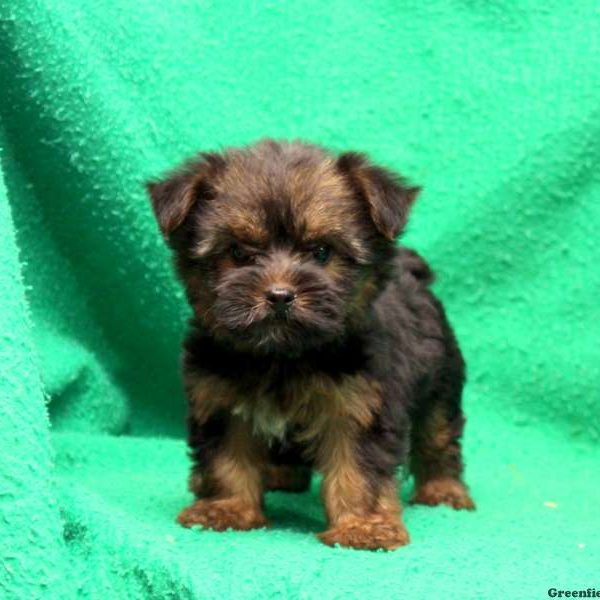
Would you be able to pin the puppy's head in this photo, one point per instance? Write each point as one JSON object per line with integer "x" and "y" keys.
{"x": 281, "y": 246}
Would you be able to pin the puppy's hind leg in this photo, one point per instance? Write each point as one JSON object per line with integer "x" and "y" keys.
{"x": 436, "y": 454}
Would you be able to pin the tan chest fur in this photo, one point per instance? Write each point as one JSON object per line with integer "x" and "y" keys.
{"x": 311, "y": 406}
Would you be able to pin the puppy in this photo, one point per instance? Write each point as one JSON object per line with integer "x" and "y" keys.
{"x": 316, "y": 343}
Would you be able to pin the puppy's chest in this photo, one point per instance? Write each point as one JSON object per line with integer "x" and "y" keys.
{"x": 266, "y": 418}
{"x": 273, "y": 408}
{"x": 309, "y": 405}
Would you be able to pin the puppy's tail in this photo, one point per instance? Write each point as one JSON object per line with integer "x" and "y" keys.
{"x": 414, "y": 264}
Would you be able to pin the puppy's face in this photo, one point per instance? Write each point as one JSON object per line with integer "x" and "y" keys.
{"x": 281, "y": 246}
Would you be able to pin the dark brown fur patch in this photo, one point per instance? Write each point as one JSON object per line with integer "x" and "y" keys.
{"x": 287, "y": 478}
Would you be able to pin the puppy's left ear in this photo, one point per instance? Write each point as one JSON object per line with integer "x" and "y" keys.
{"x": 174, "y": 197}
{"x": 387, "y": 195}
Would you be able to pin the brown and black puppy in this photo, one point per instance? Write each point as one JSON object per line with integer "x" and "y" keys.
{"x": 315, "y": 343}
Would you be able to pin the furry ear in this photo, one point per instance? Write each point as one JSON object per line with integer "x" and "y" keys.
{"x": 174, "y": 197}
{"x": 387, "y": 195}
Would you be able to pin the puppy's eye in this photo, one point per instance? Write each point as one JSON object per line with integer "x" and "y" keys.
{"x": 240, "y": 256}
{"x": 322, "y": 254}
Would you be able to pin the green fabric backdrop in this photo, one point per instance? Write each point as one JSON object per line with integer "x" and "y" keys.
{"x": 494, "y": 107}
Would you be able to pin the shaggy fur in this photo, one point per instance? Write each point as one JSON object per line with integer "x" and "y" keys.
{"x": 316, "y": 342}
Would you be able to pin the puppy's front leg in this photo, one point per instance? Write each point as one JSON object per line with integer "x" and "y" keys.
{"x": 363, "y": 508}
{"x": 231, "y": 483}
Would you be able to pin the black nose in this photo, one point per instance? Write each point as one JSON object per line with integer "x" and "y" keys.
{"x": 280, "y": 298}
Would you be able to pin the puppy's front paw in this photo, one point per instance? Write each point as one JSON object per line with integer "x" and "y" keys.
{"x": 367, "y": 533}
{"x": 444, "y": 491}
{"x": 221, "y": 515}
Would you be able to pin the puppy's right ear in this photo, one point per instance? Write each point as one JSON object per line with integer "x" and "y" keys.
{"x": 174, "y": 197}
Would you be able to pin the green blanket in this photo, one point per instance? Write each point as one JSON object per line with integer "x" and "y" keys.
{"x": 494, "y": 107}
